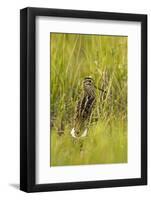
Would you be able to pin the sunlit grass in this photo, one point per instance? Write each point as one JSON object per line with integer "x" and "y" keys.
{"x": 74, "y": 56}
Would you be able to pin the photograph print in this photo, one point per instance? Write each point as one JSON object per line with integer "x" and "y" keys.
{"x": 88, "y": 99}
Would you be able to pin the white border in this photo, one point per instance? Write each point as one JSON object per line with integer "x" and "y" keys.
{"x": 47, "y": 174}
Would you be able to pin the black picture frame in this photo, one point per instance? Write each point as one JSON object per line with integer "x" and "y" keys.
{"x": 28, "y": 98}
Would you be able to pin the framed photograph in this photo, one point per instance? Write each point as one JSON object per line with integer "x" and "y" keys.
{"x": 83, "y": 99}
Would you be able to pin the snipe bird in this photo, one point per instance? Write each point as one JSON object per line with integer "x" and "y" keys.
{"x": 84, "y": 108}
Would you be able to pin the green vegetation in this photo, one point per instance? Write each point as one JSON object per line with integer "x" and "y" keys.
{"x": 74, "y": 56}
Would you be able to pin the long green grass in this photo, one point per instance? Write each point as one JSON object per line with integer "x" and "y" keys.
{"x": 74, "y": 56}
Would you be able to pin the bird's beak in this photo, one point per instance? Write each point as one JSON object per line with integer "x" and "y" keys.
{"x": 100, "y": 89}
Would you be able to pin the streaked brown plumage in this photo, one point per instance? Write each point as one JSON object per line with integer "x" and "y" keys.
{"x": 84, "y": 108}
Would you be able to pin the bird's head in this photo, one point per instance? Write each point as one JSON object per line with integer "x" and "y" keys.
{"x": 88, "y": 81}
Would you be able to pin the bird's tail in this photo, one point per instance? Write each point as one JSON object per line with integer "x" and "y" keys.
{"x": 75, "y": 134}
